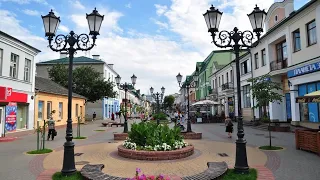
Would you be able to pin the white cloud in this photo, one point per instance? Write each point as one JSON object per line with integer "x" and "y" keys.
{"x": 160, "y": 9}
{"x": 162, "y": 25}
{"x": 44, "y": 2}
{"x": 128, "y": 5}
{"x": 77, "y": 4}
{"x": 63, "y": 28}
{"x": 110, "y": 21}
{"x": 185, "y": 17}
{"x": 31, "y": 12}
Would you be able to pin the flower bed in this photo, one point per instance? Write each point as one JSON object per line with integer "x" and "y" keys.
{"x": 147, "y": 177}
{"x": 155, "y": 155}
{"x": 191, "y": 135}
{"x": 149, "y": 141}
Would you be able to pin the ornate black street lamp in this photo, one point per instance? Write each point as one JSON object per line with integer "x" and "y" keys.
{"x": 126, "y": 87}
{"x": 158, "y": 96}
{"x": 70, "y": 43}
{"x": 237, "y": 40}
{"x": 187, "y": 85}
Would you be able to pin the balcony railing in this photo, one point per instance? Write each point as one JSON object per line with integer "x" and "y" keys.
{"x": 227, "y": 86}
{"x": 278, "y": 64}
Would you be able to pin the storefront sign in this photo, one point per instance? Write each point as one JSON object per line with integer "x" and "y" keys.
{"x": 8, "y": 95}
{"x": 11, "y": 117}
{"x": 304, "y": 70}
{"x": 308, "y": 99}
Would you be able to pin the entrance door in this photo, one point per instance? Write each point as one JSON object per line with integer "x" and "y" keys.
{"x": 2, "y": 121}
{"x": 288, "y": 107}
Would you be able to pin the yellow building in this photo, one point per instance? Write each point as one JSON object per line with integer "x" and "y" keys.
{"x": 51, "y": 97}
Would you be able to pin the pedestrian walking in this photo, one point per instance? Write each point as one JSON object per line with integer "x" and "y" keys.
{"x": 112, "y": 116}
{"x": 52, "y": 131}
{"x": 94, "y": 116}
{"x": 229, "y": 126}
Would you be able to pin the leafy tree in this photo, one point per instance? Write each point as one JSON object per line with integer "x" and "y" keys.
{"x": 86, "y": 82}
{"x": 59, "y": 74}
{"x": 265, "y": 91}
{"x": 168, "y": 102}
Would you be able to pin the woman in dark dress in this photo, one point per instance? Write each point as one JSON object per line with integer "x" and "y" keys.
{"x": 229, "y": 126}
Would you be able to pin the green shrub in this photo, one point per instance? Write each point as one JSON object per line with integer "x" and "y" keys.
{"x": 150, "y": 134}
{"x": 160, "y": 116}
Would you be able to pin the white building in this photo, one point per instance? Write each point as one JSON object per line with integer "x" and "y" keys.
{"x": 289, "y": 51}
{"x": 16, "y": 84}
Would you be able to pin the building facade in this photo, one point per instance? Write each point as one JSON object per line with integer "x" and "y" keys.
{"x": 288, "y": 48}
{"x": 52, "y": 98}
{"x": 16, "y": 84}
{"x": 103, "y": 108}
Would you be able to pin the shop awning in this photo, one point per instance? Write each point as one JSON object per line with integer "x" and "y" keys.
{"x": 313, "y": 97}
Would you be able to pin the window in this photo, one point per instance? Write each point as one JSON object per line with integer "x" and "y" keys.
{"x": 281, "y": 49}
{"x": 219, "y": 82}
{"x": 49, "y": 109}
{"x": 276, "y": 18}
{"x": 222, "y": 79}
{"x": 213, "y": 84}
{"x": 40, "y": 110}
{"x": 227, "y": 75}
{"x": 14, "y": 65}
{"x": 60, "y": 110}
{"x": 256, "y": 60}
{"x": 246, "y": 96}
{"x": 263, "y": 57}
{"x": 77, "y": 110}
{"x": 231, "y": 75}
{"x": 27, "y": 70}
{"x": 312, "y": 33}
{"x": 245, "y": 67}
{"x": 296, "y": 40}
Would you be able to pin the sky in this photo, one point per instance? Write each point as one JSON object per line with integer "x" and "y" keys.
{"x": 153, "y": 39}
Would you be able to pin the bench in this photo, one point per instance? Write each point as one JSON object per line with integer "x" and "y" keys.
{"x": 93, "y": 172}
{"x": 106, "y": 124}
{"x": 215, "y": 171}
{"x": 117, "y": 124}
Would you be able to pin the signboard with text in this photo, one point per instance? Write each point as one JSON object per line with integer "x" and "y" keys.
{"x": 11, "y": 117}
{"x": 304, "y": 70}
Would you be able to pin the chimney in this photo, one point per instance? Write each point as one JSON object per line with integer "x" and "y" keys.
{"x": 110, "y": 65}
{"x": 63, "y": 55}
{"x": 97, "y": 57}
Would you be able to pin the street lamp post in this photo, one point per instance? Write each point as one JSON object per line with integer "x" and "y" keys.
{"x": 188, "y": 85}
{"x": 70, "y": 43}
{"x": 158, "y": 96}
{"x": 237, "y": 40}
{"x": 125, "y": 87}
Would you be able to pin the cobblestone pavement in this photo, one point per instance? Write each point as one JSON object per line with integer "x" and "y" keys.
{"x": 289, "y": 164}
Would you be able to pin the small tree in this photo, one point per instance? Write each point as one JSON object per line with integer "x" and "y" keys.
{"x": 168, "y": 102}
{"x": 265, "y": 91}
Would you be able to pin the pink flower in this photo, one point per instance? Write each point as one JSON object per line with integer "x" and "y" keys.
{"x": 138, "y": 170}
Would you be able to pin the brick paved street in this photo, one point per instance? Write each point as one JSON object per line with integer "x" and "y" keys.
{"x": 287, "y": 164}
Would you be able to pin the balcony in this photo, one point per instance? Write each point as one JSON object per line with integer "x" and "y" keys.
{"x": 227, "y": 86}
{"x": 278, "y": 64}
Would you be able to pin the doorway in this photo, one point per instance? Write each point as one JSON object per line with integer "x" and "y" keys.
{"x": 288, "y": 107}
{"x": 2, "y": 121}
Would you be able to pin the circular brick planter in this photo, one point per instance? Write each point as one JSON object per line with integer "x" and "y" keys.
{"x": 120, "y": 136}
{"x": 191, "y": 135}
{"x": 155, "y": 155}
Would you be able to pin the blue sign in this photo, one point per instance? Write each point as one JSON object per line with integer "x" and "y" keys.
{"x": 304, "y": 70}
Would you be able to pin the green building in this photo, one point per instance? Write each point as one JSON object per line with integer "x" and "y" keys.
{"x": 216, "y": 60}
